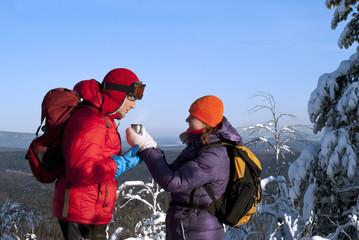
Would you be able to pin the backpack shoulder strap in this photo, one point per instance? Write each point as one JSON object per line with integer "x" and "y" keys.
{"x": 85, "y": 104}
{"x": 216, "y": 202}
{"x": 225, "y": 144}
{"x": 212, "y": 207}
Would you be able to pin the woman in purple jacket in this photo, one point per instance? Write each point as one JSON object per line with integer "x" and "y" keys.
{"x": 191, "y": 170}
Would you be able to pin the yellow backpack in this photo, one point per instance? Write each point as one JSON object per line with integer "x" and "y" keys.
{"x": 243, "y": 193}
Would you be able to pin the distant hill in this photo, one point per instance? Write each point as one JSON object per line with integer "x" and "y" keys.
{"x": 23, "y": 140}
{"x": 15, "y": 139}
{"x": 6, "y": 149}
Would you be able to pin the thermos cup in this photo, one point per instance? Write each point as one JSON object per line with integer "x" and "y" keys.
{"x": 137, "y": 128}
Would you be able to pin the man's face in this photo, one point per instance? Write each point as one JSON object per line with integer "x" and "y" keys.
{"x": 126, "y": 107}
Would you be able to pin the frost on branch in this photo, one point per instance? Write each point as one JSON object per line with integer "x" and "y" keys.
{"x": 337, "y": 155}
{"x": 15, "y": 219}
{"x": 275, "y": 134}
{"x": 343, "y": 9}
{"x": 299, "y": 172}
{"x": 147, "y": 193}
{"x": 328, "y": 89}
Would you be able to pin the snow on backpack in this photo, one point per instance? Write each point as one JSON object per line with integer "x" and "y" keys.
{"x": 45, "y": 154}
{"x": 243, "y": 192}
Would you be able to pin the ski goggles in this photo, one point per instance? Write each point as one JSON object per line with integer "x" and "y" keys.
{"x": 135, "y": 90}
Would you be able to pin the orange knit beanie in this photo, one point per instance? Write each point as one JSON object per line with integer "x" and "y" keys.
{"x": 208, "y": 109}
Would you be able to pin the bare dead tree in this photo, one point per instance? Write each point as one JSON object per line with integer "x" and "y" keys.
{"x": 274, "y": 133}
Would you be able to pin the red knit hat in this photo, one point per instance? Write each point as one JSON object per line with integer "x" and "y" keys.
{"x": 112, "y": 99}
{"x": 208, "y": 109}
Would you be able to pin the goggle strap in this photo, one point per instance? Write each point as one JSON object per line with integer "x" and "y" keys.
{"x": 116, "y": 87}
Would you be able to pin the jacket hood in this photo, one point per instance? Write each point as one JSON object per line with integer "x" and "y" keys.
{"x": 226, "y": 132}
{"x": 107, "y": 101}
{"x": 89, "y": 91}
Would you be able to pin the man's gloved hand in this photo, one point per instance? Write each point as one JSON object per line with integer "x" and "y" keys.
{"x": 143, "y": 140}
{"x": 127, "y": 161}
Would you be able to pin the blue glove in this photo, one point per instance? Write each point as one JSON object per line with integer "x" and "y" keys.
{"x": 127, "y": 161}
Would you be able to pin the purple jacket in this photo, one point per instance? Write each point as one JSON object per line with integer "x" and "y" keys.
{"x": 181, "y": 177}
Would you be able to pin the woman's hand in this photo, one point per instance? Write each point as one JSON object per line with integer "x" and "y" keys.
{"x": 143, "y": 140}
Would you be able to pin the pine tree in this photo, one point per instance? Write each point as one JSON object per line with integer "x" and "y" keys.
{"x": 325, "y": 177}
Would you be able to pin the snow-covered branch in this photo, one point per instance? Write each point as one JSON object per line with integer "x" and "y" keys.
{"x": 148, "y": 194}
{"x": 12, "y": 218}
{"x": 272, "y": 134}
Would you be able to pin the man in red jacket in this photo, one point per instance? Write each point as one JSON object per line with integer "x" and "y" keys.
{"x": 84, "y": 197}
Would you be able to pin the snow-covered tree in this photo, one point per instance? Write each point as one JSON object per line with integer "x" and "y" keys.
{"x": 152, "y": 227}
{"x": 277, "y": 213}
{"x": 15, "y": 219}
{"x": 342, "y": 10}
{"x": 325, "y": 177}
{"x": 275, "y": 133}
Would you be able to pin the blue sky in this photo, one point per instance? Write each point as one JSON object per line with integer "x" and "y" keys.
{"x": 182, "y": 50}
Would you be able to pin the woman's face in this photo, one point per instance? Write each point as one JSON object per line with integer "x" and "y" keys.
{"x": 194, "y": 123}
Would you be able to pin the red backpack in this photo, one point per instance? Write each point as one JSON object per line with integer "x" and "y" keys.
{"x": 45, "y": 153}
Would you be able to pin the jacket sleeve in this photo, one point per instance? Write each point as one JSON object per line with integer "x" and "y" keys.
{"x": 190, "y": 175}
{"x": 83, "y": 148}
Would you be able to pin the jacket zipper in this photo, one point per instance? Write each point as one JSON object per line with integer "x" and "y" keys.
{"x": 106, "y": 192}
{"x": 99, "y": 192}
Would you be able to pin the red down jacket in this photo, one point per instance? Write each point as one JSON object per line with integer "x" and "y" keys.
{"x": 87, "y": 193}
